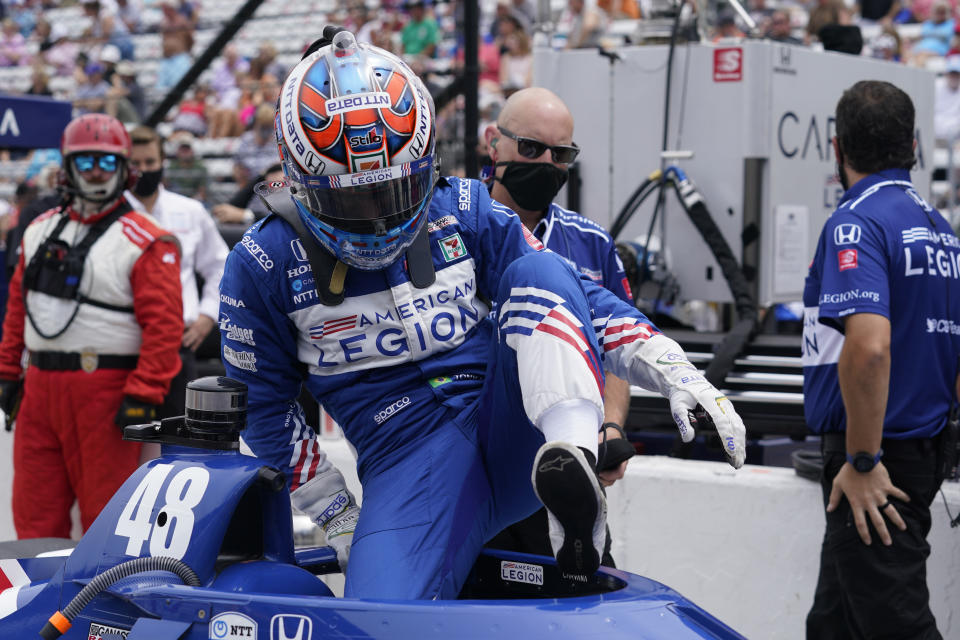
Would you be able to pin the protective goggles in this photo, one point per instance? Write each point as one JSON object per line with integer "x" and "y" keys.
{"x": 85, "y": 162}
{"x": 533, "y": 149}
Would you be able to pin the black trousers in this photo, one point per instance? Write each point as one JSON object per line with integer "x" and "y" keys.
{"x": 878, "y": 592}
{"x": 173, "y": 403}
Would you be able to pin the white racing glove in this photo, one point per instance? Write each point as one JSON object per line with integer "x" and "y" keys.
{"x": 659, "y": 364}
{"x": 330, "y": 504}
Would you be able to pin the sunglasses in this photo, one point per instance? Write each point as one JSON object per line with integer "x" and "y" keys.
{"x": 85, "y": 162}
{"x": 533, "y": 149}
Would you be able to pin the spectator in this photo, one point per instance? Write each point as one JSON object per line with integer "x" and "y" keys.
{"x": 107, "y": 28}
{"x": 878, "y": 11}
{"x": 192, "y": 114}
{"x": 421, "y": 35}
{"x": 620, "y": 9}
{"x": 91, "y": 92}
{"x": 203, "y": 252}
{"x": 39, "y": 82}
{"x": 176, "y": 28}
{"x": 13, "y": 46}
{"x": 504, "y": 9}
{"x": 360, "y": 22}
{"x": 109, "y": 57}
{"x": 129, "y": 12}
{"x": 175, "y": 63}
{"x": 225, "y": 83}
{"x": 257, "y": 149}
{"x": 516, "y": 63}
{"x": 186, "y": 173}
{"x": 727, "y": 27}
{"x": 946, "y": 103}
{"x": 887, "y": 45}
{"x": 125, "y": 85}
{"x": 585, "y": 24}
{"x": 935, "y": 34}
{"x": 42, "y": 34}
{"x": 266, "y": 60}
{"x": 62, "y": 52}
{"x": 91, "y": 370}
{"x": 823, "y": 13}
{"x": 780, "y": 29}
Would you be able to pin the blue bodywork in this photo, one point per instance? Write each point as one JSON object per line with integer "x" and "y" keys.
{"x": 229, "y": 519}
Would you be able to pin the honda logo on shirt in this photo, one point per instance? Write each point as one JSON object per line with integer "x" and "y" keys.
{"x": 846, "y": 234}
{"x": 290, "y": 627}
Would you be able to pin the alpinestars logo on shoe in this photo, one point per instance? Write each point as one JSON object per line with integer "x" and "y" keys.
{"x": 557, "y": 464}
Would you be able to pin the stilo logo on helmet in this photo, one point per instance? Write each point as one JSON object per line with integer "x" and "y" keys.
{"x": 355, "y": 128}
{"x": 95, "y": 149}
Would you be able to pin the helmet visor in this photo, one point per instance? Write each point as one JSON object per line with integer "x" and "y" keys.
{"x": 356, "y": 200}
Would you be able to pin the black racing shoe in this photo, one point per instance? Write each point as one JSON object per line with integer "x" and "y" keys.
{"x": 567, "y": 486}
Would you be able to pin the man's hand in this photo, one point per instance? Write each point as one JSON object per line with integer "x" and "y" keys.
{"x": 133, "y": 411}
{"x": 11, "y": 391}
{"x": 225, "y": 212}
{"x": 661, "y": 365}
{"x": 869, "y": 496}
{"x": 733, "y": 434}
{"x": 339, "y": 532}
{"x": 198, "y": 330}
{"x": 613, "y": 454}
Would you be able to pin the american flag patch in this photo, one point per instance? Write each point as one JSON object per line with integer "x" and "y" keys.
{"x": 329, "y": 327}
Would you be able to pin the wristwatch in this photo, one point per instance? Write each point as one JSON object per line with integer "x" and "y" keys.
{"x": 863, "y": 461}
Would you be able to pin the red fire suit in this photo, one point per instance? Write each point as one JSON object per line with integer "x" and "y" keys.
{"x": 66, "y": 445}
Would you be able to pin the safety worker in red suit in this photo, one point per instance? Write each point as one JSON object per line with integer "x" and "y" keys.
{"x": 95, "y": 318}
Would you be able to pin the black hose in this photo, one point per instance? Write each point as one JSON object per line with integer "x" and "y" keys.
{"x": 739, "y": 336}
{"x": 55, "y": 627}
{"x": 635, "y": 200}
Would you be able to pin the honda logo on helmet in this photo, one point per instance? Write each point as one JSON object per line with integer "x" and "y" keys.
{"x": 846, "y": 234}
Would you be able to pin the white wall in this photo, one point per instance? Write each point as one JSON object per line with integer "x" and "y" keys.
{"x": 743, "y": 545}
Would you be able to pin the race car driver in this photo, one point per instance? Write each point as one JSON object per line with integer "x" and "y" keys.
{"x": 95, "y": 299}
{"x": 371, "y": 286}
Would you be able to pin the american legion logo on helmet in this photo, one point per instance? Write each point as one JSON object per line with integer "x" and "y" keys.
{"x": 355, "y": 127}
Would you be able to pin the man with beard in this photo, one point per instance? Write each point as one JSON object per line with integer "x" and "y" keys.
{"x": 203, "y": 252}
{"x": 879, "y": 374}
{"x": 96, "y": 303}
{"x": 532, "y": 148}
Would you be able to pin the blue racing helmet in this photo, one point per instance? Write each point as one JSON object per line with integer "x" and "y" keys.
{"x": 355, "y": 127}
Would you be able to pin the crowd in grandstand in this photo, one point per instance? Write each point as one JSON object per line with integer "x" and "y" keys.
{"x": 122, "y": 57}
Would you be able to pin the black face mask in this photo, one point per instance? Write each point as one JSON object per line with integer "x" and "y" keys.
{"x": 148, "y": 183}
{"x": 532, "y": 185}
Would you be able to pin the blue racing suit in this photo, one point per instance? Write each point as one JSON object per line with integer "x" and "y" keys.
{"x": 586, "y": 246}
{"x": 439, "y": 400}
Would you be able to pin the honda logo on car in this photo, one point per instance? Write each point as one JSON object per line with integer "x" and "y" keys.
{"x": 521, "y": 572}
{"x": 231, "y": 626}
{"x": 290, "y": 627}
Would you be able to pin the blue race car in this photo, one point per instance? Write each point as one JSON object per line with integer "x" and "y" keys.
{"x": 198, "y": 544}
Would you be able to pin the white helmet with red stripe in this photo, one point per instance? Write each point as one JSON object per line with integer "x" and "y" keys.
{"x": 355, "y": 127}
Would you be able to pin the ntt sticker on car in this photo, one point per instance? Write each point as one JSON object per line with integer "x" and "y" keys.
{"x": 232, "y": 626}
{"x": 521, "y": 572}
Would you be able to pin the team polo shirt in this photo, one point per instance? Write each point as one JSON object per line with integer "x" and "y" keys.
{"x": 586, "y": 246}
{"x": 885, "y": 251}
